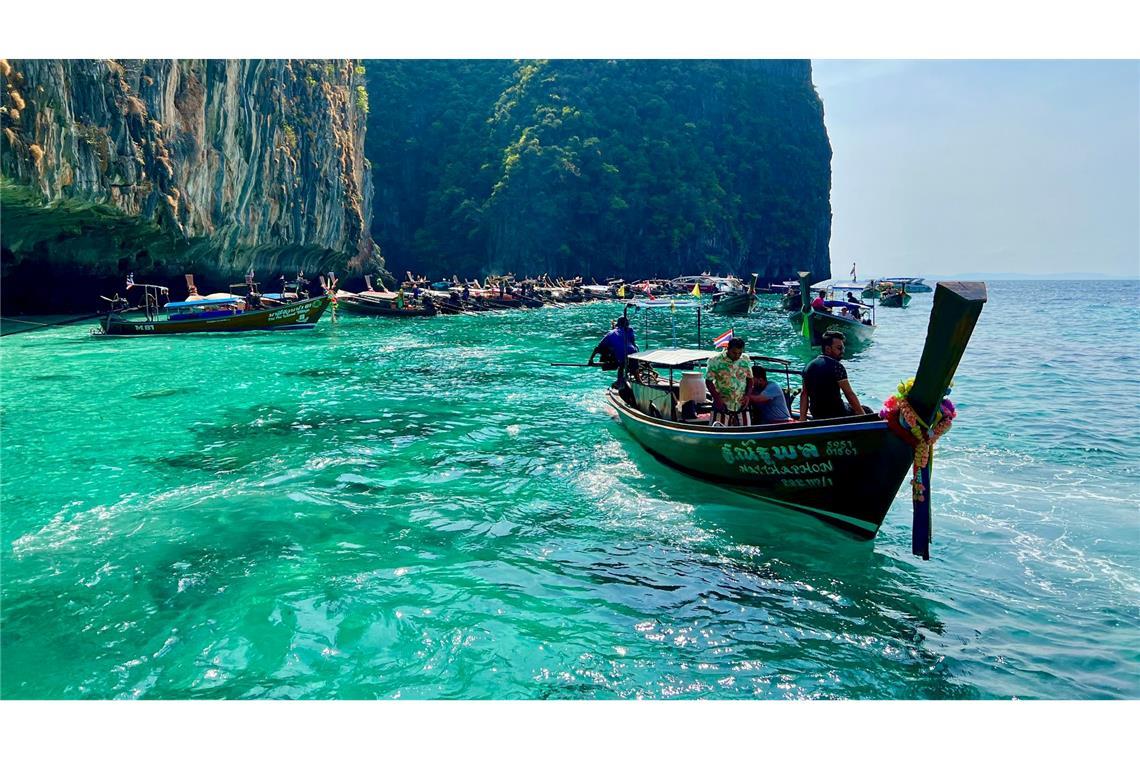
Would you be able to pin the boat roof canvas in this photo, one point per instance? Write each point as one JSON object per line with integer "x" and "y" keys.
{"x": 673, "y": 357}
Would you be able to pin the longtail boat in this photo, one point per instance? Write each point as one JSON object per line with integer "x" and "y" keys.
{"x": 845, "y": 471}
{"x": 813, "y": 324}
{"x": 220, "y": 312}
{"x": 737, "y": 300}
{"x": 895, "y": 299}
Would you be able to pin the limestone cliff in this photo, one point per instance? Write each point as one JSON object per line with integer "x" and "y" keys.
{"x": 160, "y": 167}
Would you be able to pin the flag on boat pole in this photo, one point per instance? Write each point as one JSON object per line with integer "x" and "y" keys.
{"x": 853, "y": 271}
{"x": 621, "y": 291}
{"x": 723, "y": 339}
{"x": 130, "y": 280}
{"x": 696, "y": 291}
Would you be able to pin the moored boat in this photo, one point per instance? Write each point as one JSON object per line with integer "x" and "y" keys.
{"x": 734, "y": 298}
{"x": 812, "y": 324}
{"x": 896, "y": 299}
{"x": 216, "y": 313}
{"x": 845, "y": 471}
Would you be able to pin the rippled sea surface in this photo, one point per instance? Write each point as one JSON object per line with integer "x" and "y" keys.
{"x": 427, "y": 509}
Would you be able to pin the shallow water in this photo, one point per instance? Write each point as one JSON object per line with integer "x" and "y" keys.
{"x": 426, "y": 509}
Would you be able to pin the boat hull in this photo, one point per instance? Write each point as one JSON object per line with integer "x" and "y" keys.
{"x": 299, "y": 315}
{"x": 895, "y": 301}
{"x": 844, "y": 473}
{"x": 734, "y": 304}
{"x": 855, "y": 333}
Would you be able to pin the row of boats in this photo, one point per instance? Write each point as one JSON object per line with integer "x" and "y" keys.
{"x": 417, "y": 297}
{"x": 246, "y": 307}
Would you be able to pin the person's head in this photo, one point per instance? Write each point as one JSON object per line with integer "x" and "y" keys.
{"x": 850, "y": 294}
{"x": 623, "y": 322}
{"x": 759, "y": 376}
{"x": 823, "y": 294}
{"x": 833, "y": 344}
{"x": 735, "y": 348}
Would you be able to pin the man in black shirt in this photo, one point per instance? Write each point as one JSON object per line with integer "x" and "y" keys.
{"x": 824, "y": 378}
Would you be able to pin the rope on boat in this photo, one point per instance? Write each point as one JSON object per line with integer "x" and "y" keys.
{"x": 39, "y": 325}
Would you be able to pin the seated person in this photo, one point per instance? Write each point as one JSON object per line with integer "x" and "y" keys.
{"x": 766, "y": 401}
{"x": 819, "y": 305}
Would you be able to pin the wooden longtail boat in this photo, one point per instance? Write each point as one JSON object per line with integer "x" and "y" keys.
{"x": 897, "y": 299}
{"x": 813, "y": 324}
{"x": 845, "y": 471}
{"x": 221, "y": 313}
{"x": 735, "y": 302}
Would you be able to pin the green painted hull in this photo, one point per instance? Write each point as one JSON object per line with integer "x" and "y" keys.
{"x": 895, "y": 301}
{"x": 734, "y": 304}
{"x": 856, "y": 334}
{"x": 847, "y": 474}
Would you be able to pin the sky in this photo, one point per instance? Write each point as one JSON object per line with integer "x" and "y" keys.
{"x": 957, "y": 166}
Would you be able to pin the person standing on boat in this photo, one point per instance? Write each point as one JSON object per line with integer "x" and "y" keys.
{"x": 766, "y": 401}
{"x": 729, "y": 381}
{"x": 825, "y": 379}
{"x": 615, "y": 347}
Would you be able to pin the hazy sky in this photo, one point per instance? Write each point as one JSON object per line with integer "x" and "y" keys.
{"x": 945, "y": 167}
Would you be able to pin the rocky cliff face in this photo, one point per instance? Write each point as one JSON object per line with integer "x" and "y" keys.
{"x": 161, "y": 167}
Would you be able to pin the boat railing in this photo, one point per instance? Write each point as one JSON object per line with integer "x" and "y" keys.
{"x": 150, "y": 301}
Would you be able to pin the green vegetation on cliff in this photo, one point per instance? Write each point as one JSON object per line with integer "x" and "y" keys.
{"x": 161, "y": 167}
{"x": 599, "y": 167}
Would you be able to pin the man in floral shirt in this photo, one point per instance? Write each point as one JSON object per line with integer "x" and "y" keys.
{"x": 729, "y": 380}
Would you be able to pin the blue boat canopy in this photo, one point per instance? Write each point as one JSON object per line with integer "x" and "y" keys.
{"x": 204, "y": 302}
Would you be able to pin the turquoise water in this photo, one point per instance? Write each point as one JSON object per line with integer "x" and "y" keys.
{"x": 426, "y": 509}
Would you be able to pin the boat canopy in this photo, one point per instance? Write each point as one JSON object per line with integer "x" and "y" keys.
{"x": 226, "y": 301}
{"x": 673, "y": 357}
